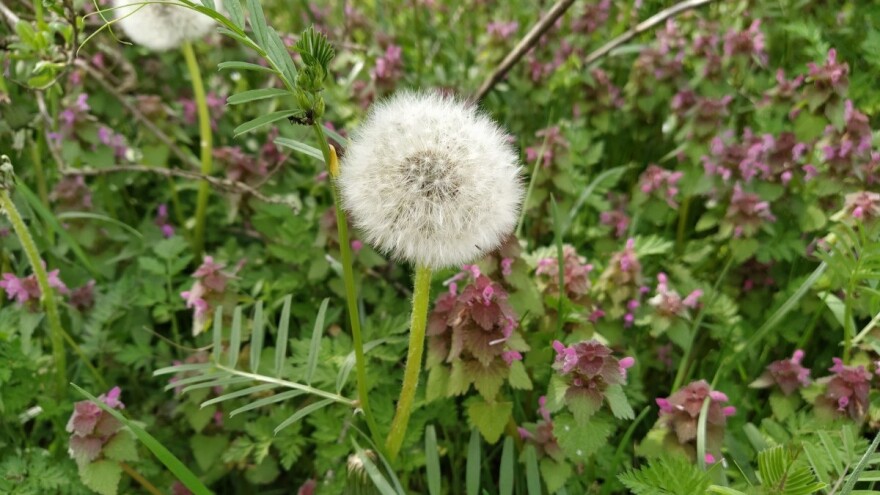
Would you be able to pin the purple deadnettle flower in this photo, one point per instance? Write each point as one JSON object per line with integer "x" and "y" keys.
{"x": 589, "y": 369}
{"x": 846, "y": 391}
{"x": 91, "y": 428}
{"x": 680, "y": 412}
{"x": 788, "y": 374}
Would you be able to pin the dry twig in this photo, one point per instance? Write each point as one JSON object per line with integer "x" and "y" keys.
{"x": 216, "y": 182}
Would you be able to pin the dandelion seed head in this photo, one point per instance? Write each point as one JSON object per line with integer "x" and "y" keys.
{"x": 160, "y": 26}
{"x": 431, "y": 180}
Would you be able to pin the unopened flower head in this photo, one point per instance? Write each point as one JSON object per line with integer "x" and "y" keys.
{"x": 162, "y": 25}
{"x": 431, "y": 180}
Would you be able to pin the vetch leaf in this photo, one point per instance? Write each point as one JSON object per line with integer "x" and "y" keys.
{"x": 315, "y": 343}
{"x": 303, "y": 413}
{"x": 255, "y": 94}
{"x": 236, "y": 65}
{"x": 281, "y": 340}
{"x": 257, "y": 334}
{"x": 290, "y": 394}
{"x": 301, "y": 147}
{"x": 235, "y": 338}
{"x": 261, "y": 121}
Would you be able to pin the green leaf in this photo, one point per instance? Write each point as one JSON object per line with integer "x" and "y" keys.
{"x": 239, "y": 393}
{"x": 489, "y": 417}
{"x": 208, "y": 449}
{"x": 518, "y": 377}
{"x": 278, "y": 53}
{"x": 373, "y": 472}
{"x": 618, "y": 402}
{"x": 673, "y": 475}
{"x": 315, "y": 343}
{"x": 258, "y": 21}
{"x": 301, "y": 147}
{"x": 314, "y": 48}
{"x": 554, "y": 474}
{"x": 863, "y": 462}
{"x": 189, "y": 480}
{"x": 257, "y": 335}
{"x": 101, "y": 476}
{"x": 506, "y": 473}
{"x": 281, "y": 340}
{"x": 582, "y": 405}
{"x": 218, "y": 334}
{"x": 121, "y": 447}
{"x": 236, "y": 14}
{"x": 432, "y": 461}
{"x": 533, "y": 478}
{"x": 438, "y": 382}
{"x": 303, "y": 413}
{"x": 235, "y": 65}
{"x": 255, "y": 94}
{"x": 235, "y": 338}
{"x": 262, "y": 120}
{"x": 580, "y": 441}
{"x": 85, "y": 215}
{"x": 265, "y": 401}
{"x": 472, "y": 474}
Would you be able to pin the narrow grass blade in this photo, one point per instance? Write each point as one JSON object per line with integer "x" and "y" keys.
{"x": 472, "y": 475}
{"x": 85, "y": 215}
{"x": 315, "y": 343}
{"x": 257, "y": 334}
{"x": 218, "y": 334}
{"x": 373, "y": 472}
{"x": 179, "y": 469}
{"x": 863, "y": 462}
{"x": 533, "y": 476}
{"x": 281, "y": 341}
{"x": 432, "y": 461}
{"x": 234, "y": 338}
{"x": 302, "y": 413}
{"x": 505, "y": 476}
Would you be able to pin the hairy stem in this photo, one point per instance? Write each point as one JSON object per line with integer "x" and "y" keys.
{"x": 206, "y": 146}
{"x": 56, "y": 331}
{"x": 348, "y": 279}
{"x": 421, "y": 293}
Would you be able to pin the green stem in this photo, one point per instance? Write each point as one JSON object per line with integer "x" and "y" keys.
{"x": 33, "y": 256}
{"x": 683, "y": 365}
{"x": 421, "y": 293}
{"x": 848, "y": 329}
{"x": 350, "y": 288}
{"x": 682, "y": 223}
{"x": 206, "y": 146}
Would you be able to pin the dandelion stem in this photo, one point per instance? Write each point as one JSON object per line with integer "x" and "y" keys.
{"x": 421, "y": 293}
{"x": 56, "y": 331}
{"x": 206, "y": 146}
{"x": 350, "y": 288}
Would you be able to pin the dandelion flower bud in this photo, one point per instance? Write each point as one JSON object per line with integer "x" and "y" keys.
{"x": 161, "y": 26}
{"x": 431, "y": 180}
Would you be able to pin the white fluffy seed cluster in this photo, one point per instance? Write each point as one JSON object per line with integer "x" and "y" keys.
{"x": 160, "y": 26}
{"x": 431, "y": 180}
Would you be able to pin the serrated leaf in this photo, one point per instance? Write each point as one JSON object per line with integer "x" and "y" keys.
{"x": 438, "y": 383}
{"x": 459, "y": 381}
{"x": 208, "y": 449}
{"x": 582, "y": 405}
{"x": 101, "y": 476}
{"x": 256, "y": 94}
{"x": 261, "y": 121}
{"x": 121, "y": 447}
{"x": 580, "y": 441}
{"x": 554, "y": 474}
{"x": 490, "y": 418}
{"x": 518, "y": 377}
{"x": 618, "y": 402}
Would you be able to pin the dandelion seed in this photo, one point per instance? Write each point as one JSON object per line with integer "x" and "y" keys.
{"x": 431, "y": 180}
{"x": 161, "y": 26}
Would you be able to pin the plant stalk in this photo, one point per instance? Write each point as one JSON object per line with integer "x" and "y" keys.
{"x": 205, "y": 146}
{"x": 348, "y": 278}
{"x": 56, "y": 331}
{"x": 149, "y": 487}
{"x": 421, "y": 293}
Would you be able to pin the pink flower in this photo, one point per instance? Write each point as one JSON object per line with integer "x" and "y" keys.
{"x": 846, "y": 390}
{"x": 162, "y": 222}
{"x": 356, "y": 246}
{"x": 681, "y": 411}
{"x": 576, "y": 273}
{"x": 91, "y": 428}
{"x": 787, "y": 374}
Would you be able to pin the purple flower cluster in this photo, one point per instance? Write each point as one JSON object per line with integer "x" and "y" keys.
{"x": 576, "y": 274}
{"x": 91, "y": 428}
{"x": 787, "y": 374}
{"x": 846, "y": 390}
{"x": 209, "y": 288}
{"x": 26, "y": 290}
{"x": 681, "y": 411}
{"x": 661, "y": 182}
{"x": 668, "y": 303}
{"x": 589, "y": 369}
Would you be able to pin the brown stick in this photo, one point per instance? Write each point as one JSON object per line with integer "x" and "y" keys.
{"x": 535, "y": 34}
{"x": 642, "y": 27}
{"x": 521, "y": 48}
{"x": 216, "y": 182}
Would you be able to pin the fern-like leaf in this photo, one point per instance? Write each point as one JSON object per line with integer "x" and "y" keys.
{"x": 666, "y": 476}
